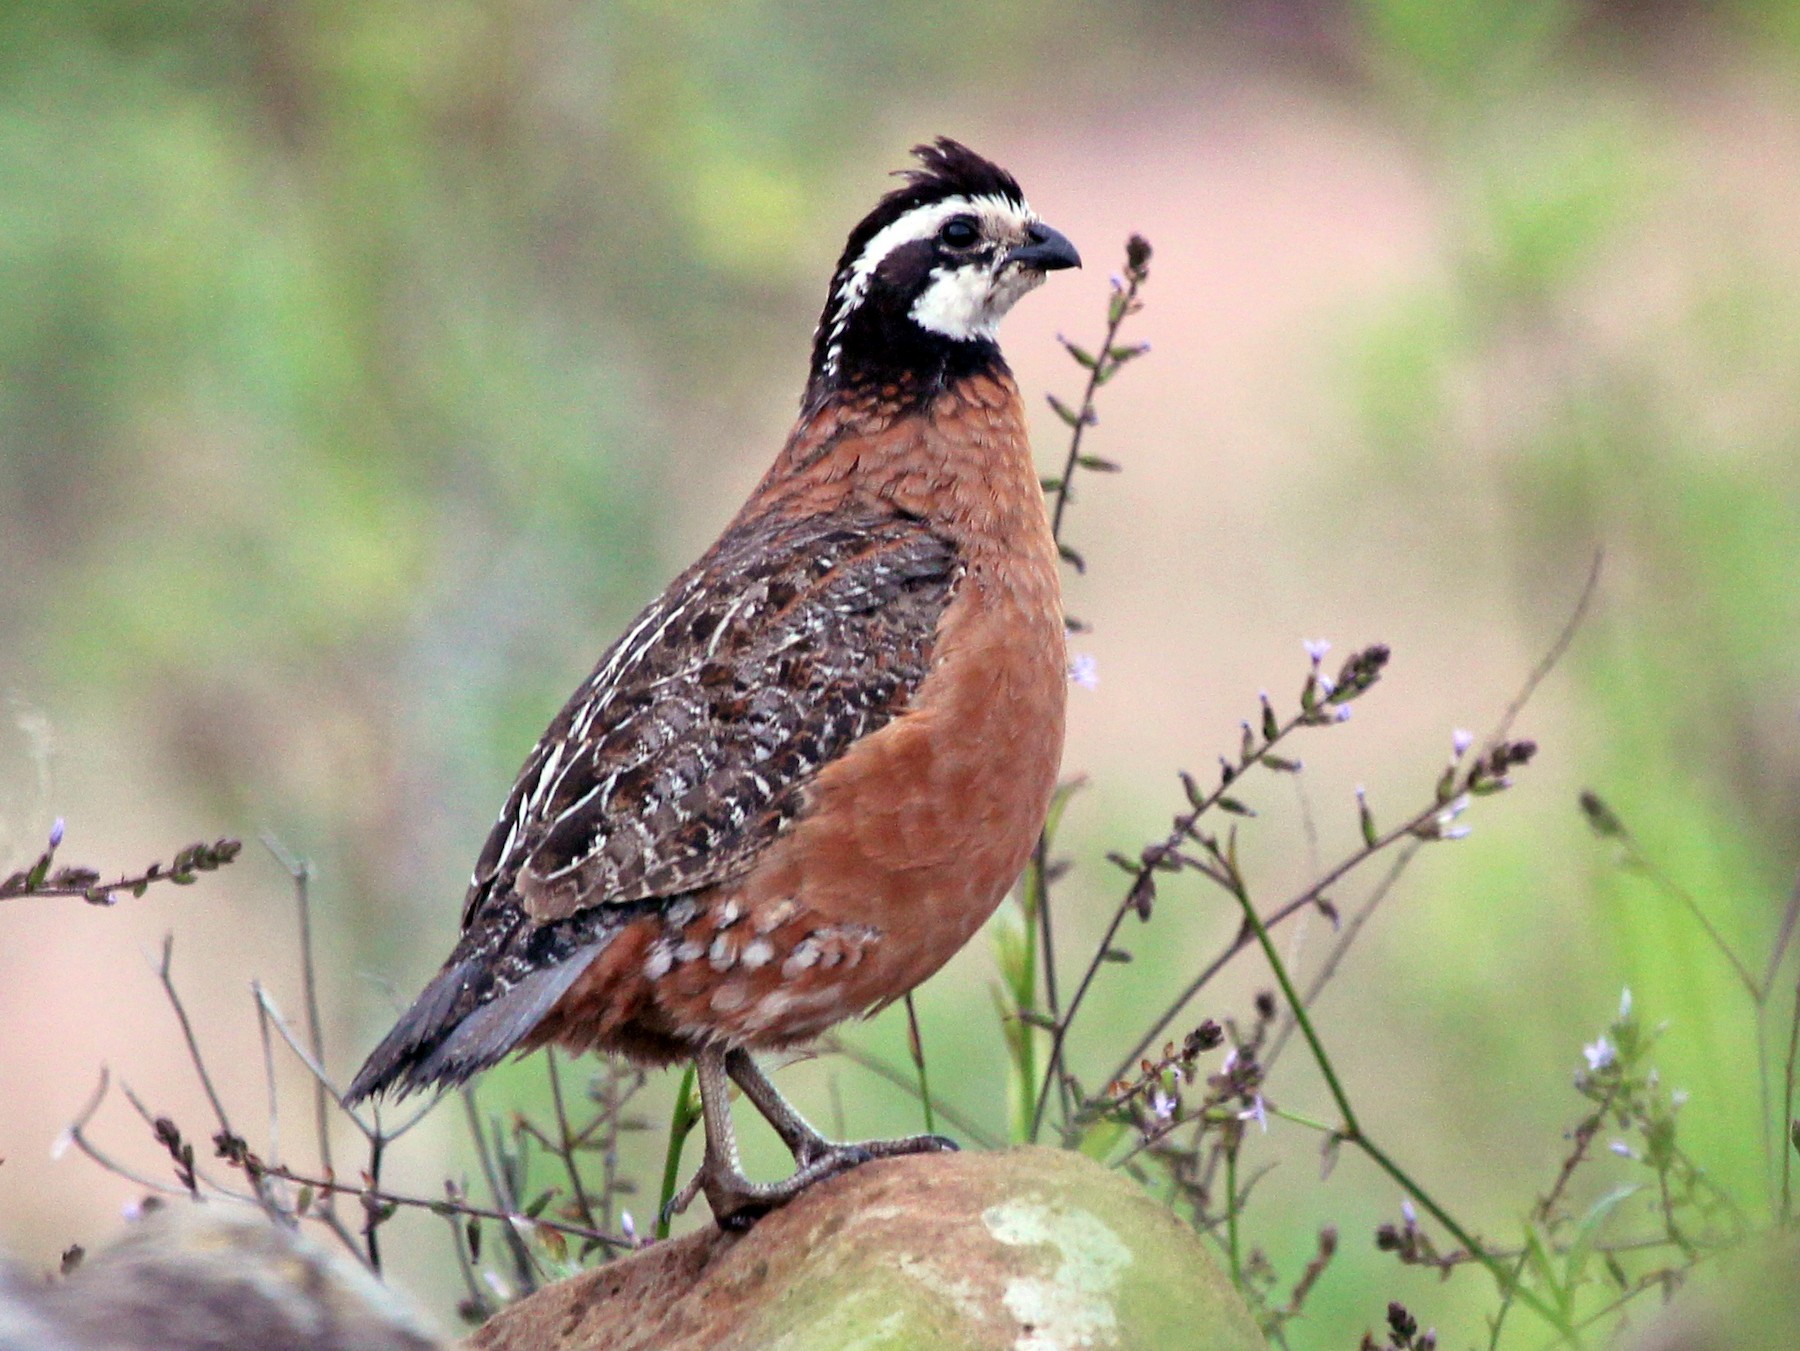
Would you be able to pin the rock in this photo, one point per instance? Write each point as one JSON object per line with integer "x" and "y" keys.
{"x": 208, "y": 1277}
{"x": 1027, "y": 1250}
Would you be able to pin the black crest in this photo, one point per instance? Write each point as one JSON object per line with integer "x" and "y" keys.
{"x": 947, "y": 168}
{"x": 950, "y": 169}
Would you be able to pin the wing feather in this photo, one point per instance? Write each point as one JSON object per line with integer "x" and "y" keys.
{"x": 690, "y": 747}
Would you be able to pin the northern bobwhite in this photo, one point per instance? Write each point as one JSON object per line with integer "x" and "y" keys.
{"x": 810, "y": 769}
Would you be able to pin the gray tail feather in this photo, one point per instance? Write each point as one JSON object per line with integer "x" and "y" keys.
{"x": 435, "y": 1045}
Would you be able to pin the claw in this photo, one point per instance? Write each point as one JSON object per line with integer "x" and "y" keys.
{"x": 682, "y": 1199}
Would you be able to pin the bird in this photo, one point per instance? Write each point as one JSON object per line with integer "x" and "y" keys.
{"x": 808, "y": 771}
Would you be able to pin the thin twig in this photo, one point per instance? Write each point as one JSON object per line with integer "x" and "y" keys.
{"x": 1047, "y": 955}
{"x": 915, "y": 1045}
{"x": 268, "y": 1059}
{"x": 368, "y": 1129}
{"x": 187, "y": 1034}
{"x": 523, "y": 1265}
{"x": 75, "y": 1134}
{"x": 1783, "y": 937}
{"x": 1565, "y": 636}
{"x": 1101, "y": 366}
{"x": 465, "y": 1264}
{"x": 566, "y": 1148}
{"x": 1150, "y": 860}
{"x": 1352, "y": 930}
{"x": 1584, "y": 1137}
{"x": 85, "y": 883}
{"x": 377, "y": 1145}
{"x": 1352, "y": 1131}
{"x": 1790, "y": 1130}
{"x": 1245, "y": 936}
{"x": 510, "y": 1220}
{"x": 909, "y": 1084}
{"x": 299, "y": 872}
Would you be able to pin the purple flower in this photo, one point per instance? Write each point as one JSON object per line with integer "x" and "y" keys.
{"x": 56, "y": 832}
{"x": 1460, "y": 741}
{"x": 1407, "y": 1211}
{"x": 1343, "y": 713}
{"x": 1257, "y": 1111}
{"x": 1622, "y": 1149}
{"x": 1443, "y": 824}
{"x": 1316, "y": 648}
{"x": 1600, "y": 1054}
{"x": 1625, "y": 1004}
{"x": 1163, "y": 1105}
{"x": 1084, "y": 671}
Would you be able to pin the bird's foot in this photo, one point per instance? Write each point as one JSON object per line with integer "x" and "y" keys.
{"x": 875, "y": 1149}
{"x": 737, "y": 1202}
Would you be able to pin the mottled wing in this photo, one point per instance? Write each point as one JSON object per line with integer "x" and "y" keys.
{"x": 690, "y": 747}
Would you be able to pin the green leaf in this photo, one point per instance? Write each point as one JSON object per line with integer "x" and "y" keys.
{"x": 1588, "y": 1231}
{"x": 1102, "y": 1138}
{"x": 1537, "y": 1256}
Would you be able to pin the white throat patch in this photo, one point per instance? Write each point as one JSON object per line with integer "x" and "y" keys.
{"x": 962, "y": 303}
{"x": 969, "y": 302}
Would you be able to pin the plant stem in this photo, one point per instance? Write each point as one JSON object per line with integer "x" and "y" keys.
{"x": 1352, "y": 1132}
{"x": 566, "y": 1145}
{"x": 1789, "y": 1144}
{"x": 1243, "y": 936}
{"x": 501, "y": 1192}
{"x": 1231, "y": 1218}
{"x": 1179, "y": 832}
{"x": 681, "y": 1124}
{"x": 901, "y": 1080}
{"x": 917, "y": 1046}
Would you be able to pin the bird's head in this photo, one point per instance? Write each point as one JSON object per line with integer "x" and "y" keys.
{"x": 927, "y": 275}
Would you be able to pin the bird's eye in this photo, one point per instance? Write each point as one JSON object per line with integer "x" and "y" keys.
{"x": 959, "y": 232}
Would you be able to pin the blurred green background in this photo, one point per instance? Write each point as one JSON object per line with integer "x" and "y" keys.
{"x": 364, "y": 367}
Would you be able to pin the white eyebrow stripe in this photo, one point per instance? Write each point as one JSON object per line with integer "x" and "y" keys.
{"x": 919, "y": 223}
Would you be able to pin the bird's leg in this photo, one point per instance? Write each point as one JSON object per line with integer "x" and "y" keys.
{"x": 803, "y": 1142}
{"x": 736, "y": 1201}
{"x": 806, "y": 1144}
